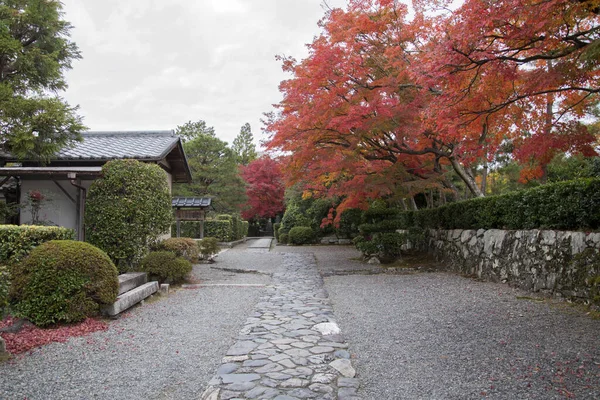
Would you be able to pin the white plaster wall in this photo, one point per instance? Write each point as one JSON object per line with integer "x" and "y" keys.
{"x": 58, "y": 209}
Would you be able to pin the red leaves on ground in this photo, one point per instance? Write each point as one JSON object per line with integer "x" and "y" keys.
{"x": 30, "y": 336}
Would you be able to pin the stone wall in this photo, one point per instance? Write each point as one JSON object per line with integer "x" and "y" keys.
{"x": 559, "y": 262}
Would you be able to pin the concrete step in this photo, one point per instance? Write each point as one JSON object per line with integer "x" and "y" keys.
{"x": 130, "y": 298}
{"x": 131, "y": 280}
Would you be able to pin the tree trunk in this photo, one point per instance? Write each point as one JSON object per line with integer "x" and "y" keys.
{"x": 404, "y": 206}
{"x": 448, "y": 184}
{"x": 484, "y": 176}
{"x": 413, "y": 203}
{"x": 466, "y": 177}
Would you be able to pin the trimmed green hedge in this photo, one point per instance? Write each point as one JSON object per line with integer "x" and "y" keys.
{"x": 570, "y": 205}
{"x": 182, "y": 247}
{"x": 165, "y": 266}
{"x": 17, "y": 241}
{"x": 226, "y": 228}
{"x": 63, "y": 281}
{"x": 301, "y": 235}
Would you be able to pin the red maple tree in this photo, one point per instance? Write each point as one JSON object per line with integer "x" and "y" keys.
{"x": 265, "y": 188}
{"x": 387, "y": 101}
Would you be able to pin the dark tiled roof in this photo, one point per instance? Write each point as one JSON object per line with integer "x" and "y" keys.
{"x": 144, "y": 145}
{"x": 191, "y": 202}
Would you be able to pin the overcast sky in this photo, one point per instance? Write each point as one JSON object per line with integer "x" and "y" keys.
{"x": 156, "y": 64}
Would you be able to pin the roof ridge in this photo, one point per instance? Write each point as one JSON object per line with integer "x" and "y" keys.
{"x": 129, "y": 133}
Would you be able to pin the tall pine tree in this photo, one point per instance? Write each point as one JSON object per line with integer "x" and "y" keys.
{"x": 243, "y": 146}
{"x": 35, "y": 52}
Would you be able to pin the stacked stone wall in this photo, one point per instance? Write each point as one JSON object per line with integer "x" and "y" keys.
{"x": 563, "y": 263}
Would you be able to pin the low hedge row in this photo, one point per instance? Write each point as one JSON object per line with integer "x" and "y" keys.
{"x": 225, "y": 228}
{"x": 569, "y": 205}
{"x": 17, "y": 241}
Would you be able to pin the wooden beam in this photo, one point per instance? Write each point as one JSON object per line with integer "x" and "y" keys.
{"x": 65, "y": 192}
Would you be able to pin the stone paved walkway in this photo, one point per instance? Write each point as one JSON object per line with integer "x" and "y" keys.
{"x": 290, "y": 347}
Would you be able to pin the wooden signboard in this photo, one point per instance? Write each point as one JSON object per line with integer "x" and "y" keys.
{"x": 189, "y": 215}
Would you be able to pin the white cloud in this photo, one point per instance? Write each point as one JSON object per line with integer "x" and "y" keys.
{"x": 156, "y": 64}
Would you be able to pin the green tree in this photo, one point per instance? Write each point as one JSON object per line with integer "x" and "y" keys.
{"x": 215, "y": 173}
{"x": 127, "y": 209}
{"x": 35, "y": 51}
{"x": 191, "y": 130}
{"x": 243, "y": 147}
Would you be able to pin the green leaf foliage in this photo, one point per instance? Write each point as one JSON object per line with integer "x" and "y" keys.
{"x": 243, "y": 146}
{"x": 63, "y": 281}
{"x": 165, "y": 266}
{"x": 569, "y": 205}
{"x": 301, "y": 235}
{"x": 4, "y": 288}
{"x": 350, "y": 220}
{"x": 208, "y": 246}
{"x": 17, "y": 241}
{"x": 127, "y": 209}
{"x": 214, "y": 170}
{"x": 35, "y": 52}
{"x": 283, "y": 238}
{"x": 182, "y": 247}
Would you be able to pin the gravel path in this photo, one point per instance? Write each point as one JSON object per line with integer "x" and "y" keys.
{"x": 165, "y": 349}
{"x": 442, "y": 336}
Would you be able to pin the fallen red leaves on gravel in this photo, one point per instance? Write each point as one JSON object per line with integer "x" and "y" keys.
{"x": 30, "y": 336}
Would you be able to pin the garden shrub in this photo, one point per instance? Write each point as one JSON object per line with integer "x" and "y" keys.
{"x": 63, "y": 281}
{"x": 350, "y": 220}
{"x": 220, "y": 229}
{"x": 165, "y": 266}
{"x": 569, "y": 205}
{"x": 182, "y": 247}
{"x": 4, "y": 289}
{"x": 301, "y": 235}
{"x": 127, "y": 209}
{"x": 208, "y": 247}
{"x": 293, "y": 217}
{"x": 283, "y": 238}
{"x": 276, "y": 227}
{"x": 17, "y": 241}
{"x": 386, "y": 246}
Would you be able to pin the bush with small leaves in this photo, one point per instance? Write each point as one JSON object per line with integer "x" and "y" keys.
{"x": 208, "y": 247}
{"x": 63, "y": 281}
{"x": 127, "y": 210}
{"x": 165, "y": 266}
{"x": 301, "y": 235}
{"x": 4, "y": 288}
{"x": 182, "y": 247}
{"x": 283, "y": 238}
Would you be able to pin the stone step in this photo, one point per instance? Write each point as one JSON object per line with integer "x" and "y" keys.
{"x": 131, "y": 280}
{"x": 131, "y": 298}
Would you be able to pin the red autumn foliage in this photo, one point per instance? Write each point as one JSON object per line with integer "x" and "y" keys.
{"x": 265, "y": 188}
{"x": 30, "y": 336}
{"x": 388, "y": 99}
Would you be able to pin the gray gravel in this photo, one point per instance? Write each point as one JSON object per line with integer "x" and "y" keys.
{"x": 165, "y": 349}
{"x": 442, "y": 336}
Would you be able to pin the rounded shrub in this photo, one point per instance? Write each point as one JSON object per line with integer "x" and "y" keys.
{"x": 165, "y": 266}
{"x": 208, "y": 246}
{"x": 301, "y": 235}
{"x": 182, "y": 247}
{"x": 283, "y": 238}
{"x": 127, "y": 209}
{"x": 63, "y": 281}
